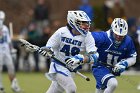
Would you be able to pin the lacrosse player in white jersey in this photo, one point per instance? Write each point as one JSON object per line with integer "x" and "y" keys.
{"x": 67, "y": 43}
{"x": 5, "y": 56}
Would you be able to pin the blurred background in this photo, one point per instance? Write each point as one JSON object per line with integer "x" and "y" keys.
{"x": 37, "y": 20}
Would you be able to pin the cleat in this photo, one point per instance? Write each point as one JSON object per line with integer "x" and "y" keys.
{"x": 2, "y": 90}
{"x": 15, "y": 87}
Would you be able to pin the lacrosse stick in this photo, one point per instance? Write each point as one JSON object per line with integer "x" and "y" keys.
{"x": 112, "y": 66}
{"x": 30, "y": 46}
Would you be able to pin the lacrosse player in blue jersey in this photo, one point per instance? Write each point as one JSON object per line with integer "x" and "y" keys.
{"x": 66, "y": 44}
{"x": 116, "y": 53}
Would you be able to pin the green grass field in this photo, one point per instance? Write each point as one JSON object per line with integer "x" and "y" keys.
{"x": 37, "y": 83}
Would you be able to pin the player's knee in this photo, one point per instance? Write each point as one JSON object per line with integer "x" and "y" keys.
{"x": 113, "y": 83}
{"x": 71, "y": 89}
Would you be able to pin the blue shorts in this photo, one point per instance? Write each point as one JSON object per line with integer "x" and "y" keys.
{"x": 102, "y": 75}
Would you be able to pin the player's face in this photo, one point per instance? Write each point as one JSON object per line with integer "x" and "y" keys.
{"x": 85, "y": 25}
{"x": 118, "y": 38}
{"x": 1, "y": 24}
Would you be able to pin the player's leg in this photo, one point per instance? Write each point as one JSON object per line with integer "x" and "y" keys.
{"x": 11, "y": 73}
{"x": 99, "y": 91}
{"x": 67, "y": 83}
{"x": 1, "y": 84}
{"x": 55, "y": 88}
{"x": 1, "y": 67}
{"x": 102, "y": 75}
{"x": 63, "y": 82}
{"x": 111, "y": 85}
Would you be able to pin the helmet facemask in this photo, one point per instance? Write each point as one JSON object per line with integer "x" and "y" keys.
{"x": 79, "y": 21}
{"x": 119, "y": 29}
{"x": 83, "y": 27}
{"x": 117, "y": 39}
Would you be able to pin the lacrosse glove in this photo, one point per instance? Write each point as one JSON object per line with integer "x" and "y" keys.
{"x": 74, "y": 63}
{"x": 46, "y": 51}
{"x": 120, "y": 67}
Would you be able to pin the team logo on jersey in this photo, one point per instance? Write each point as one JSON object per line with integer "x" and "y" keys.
{"x": 113, "y": 52}
{"x": 71, "y": 41}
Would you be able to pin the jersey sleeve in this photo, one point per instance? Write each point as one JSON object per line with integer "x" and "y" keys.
{"x": 90, "y": 43}
{"x": 54, "y": 40}
{"x": 99, "y": 38}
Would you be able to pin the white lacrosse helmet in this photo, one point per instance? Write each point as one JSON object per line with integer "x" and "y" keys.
{"x": 2, "y": 18}
{"x": 119, "y": 26}
{"x": 75, "y": 17}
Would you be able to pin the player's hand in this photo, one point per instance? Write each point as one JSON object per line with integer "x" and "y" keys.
{"x": 47, "y": 51}
{"x": 120, "y": 67}
{"x": 77, "y": 59}
{"x": 73, "y": 68}
{"x": 74, "y": 63}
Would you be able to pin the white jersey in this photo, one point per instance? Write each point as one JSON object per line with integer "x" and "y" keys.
{"x": 5, "y": 55}
{"x": 4, "y": 39}
{"x": 65, "y": 45}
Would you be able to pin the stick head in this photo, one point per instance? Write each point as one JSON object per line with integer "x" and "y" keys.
{"x": 28, "y": 46}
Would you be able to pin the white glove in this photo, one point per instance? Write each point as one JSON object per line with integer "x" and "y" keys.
{"x": 120, "y": 67}
{"x": 46, "y": 51}
{"x": 73, "y": 68}
{"x": 74, "y": 63}
{"x": 77, "y": 59}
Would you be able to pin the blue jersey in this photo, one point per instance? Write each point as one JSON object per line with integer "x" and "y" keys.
{"x": 110, "y": 54}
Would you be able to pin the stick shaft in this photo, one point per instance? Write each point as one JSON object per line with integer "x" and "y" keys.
{"x": 11, "y": 29}
{"x": 83, "y": 76}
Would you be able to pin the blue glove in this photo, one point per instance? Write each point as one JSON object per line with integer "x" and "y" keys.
{"x": 120, "y": 67}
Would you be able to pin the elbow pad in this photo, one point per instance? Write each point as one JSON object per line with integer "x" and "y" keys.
{"x": 93, "y": 57}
